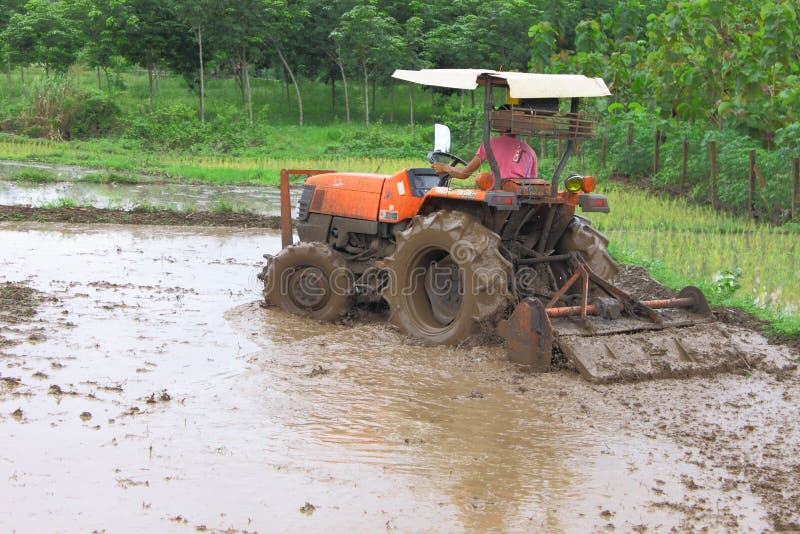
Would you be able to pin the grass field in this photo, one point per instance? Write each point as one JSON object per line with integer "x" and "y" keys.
{"x": 736, "y": 263}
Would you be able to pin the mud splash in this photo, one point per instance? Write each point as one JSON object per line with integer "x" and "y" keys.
{"x": 161, "y": 397}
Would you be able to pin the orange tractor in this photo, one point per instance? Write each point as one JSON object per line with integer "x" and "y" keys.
{"x": 513, "y": 258}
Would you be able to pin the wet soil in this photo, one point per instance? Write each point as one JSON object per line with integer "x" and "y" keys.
{"x": 146, "y": 390}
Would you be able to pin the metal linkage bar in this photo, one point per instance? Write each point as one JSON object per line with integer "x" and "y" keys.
{"x": 689, "y": 297}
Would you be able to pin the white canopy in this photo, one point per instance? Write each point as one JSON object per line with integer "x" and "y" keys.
{"x": 521, "y": 84}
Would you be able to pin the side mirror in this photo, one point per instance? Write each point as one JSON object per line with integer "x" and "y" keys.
{"x": 441, "y": 138}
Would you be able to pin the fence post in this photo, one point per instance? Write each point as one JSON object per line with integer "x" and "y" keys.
{"x": 712, "y": 149}
{"x": 630, "y": 134}
{"x": 751, "y": 186}
{"x": 542, "y": 148}
{"x": 795, "y": 186}
{"x": 605, "y": 147}
{"x": 684, "y": 164}
{"x": 656, "y": 152}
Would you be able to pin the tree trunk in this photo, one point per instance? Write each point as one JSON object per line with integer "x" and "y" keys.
{"x": 411, "y": 102}
{"x": 202, "y": 75}
{"x": 149, "y": 56}
{"x": 333, "y": 95}
{"x": 286, "y": 90}
{"x": 99, "y": 79}
{"x": 339, "y": 63}
{"x": 8, "y": 76}
{"x": 240, "y": 81}
{"x": 294, "y": 81}
{"x": 366, "y": 92}
{"x": 249, "y": 94}
{"x": 391, "y": 101}
{"x": 374, "y": 94}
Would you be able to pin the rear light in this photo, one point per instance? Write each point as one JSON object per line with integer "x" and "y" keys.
{"x": 593, "y": 203}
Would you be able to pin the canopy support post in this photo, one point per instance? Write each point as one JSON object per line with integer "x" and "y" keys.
{"x": 488, "y": 107}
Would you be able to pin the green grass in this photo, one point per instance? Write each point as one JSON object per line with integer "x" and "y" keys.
{"x": 34, "y": 176}
{"x": 61, "y": 203}
{"x": 682, "y": 244}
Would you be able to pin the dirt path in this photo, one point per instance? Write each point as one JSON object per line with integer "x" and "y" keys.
{"x": 142, "y": 388}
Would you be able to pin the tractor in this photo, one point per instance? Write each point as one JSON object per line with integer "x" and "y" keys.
{"x": 510, "y": 257}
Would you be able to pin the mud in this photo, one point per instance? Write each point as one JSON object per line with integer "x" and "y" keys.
{"x": 157, "y": 395}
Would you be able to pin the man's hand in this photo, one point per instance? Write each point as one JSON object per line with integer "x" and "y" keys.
{"x": 442, "y": 168}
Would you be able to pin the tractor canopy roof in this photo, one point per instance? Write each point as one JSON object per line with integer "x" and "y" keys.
{"x": 520, "y": 84}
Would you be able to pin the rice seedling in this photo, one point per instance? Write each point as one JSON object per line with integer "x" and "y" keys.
{"x": 736, "y": 262}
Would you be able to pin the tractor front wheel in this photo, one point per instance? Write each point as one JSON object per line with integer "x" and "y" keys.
{"x": 309, "y": 279}
{"x": 446, "y": 278}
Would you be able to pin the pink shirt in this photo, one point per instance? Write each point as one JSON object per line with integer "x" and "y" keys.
{"x": 506, "y": 149}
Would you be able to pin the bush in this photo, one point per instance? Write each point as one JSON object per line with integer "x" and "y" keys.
{"x": 58, "y": 111}
{"x": 93, "y": 115}
{"x": 171, "y": 127}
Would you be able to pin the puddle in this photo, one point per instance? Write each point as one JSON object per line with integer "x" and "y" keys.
{"x": 181, "y": 404}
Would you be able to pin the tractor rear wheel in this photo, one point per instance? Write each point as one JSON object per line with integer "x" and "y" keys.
{"x": 583, "y": 238}
{"x": 309, "y": 279}
{"x": 446, "y": 278}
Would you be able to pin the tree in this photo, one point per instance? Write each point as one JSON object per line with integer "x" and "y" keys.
{"x": 45, "y": 32}
{"x": 283, "y": 22}
{"x": 199, "y": 15}
{"x": 242, "y": 37}
{"x": 10, "y": 8}
{"x": 370, "y": 37}
{"x": 149, "y": 33}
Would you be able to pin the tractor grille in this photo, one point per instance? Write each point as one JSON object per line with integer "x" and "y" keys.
{"x": 305, "y": 200}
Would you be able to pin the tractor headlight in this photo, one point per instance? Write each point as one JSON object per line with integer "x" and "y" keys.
{"x": 574, "y": 183}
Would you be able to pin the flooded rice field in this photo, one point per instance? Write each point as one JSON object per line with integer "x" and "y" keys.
{"x": 142, "y": 388}
{"x": 259, "y": 200}
{"x": 74, "y": 186}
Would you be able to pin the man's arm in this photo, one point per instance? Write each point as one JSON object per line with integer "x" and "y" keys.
{"x": 458, "y": 172}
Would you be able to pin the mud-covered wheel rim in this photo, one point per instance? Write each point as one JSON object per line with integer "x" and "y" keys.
{"x": 309, "y": 279}
{"x": 446, "y": 278}
{"x": 436, "y": 289}
{"x": 308, "y": 287}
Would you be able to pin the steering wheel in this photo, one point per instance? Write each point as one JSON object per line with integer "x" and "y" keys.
{"x": 445, "y": 157}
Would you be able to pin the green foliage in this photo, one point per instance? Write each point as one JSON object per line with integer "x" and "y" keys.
{"x": 36, "y": 176}
{"x": 58, "y": 109}
{"x": 45, "y": 32}
{"x": 170, "y": 127}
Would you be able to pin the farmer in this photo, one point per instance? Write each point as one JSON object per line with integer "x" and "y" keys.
{"x": 515, "y": 159}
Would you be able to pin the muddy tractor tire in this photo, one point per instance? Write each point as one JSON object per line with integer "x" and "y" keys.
{"x": 591, "y": 244}
{"x": 309, "y": 279}
{"x": 446, "y": 278}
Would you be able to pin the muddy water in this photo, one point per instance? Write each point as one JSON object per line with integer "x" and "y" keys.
{"x": 153, "y": 394}
{"x": 261, "y": 200}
